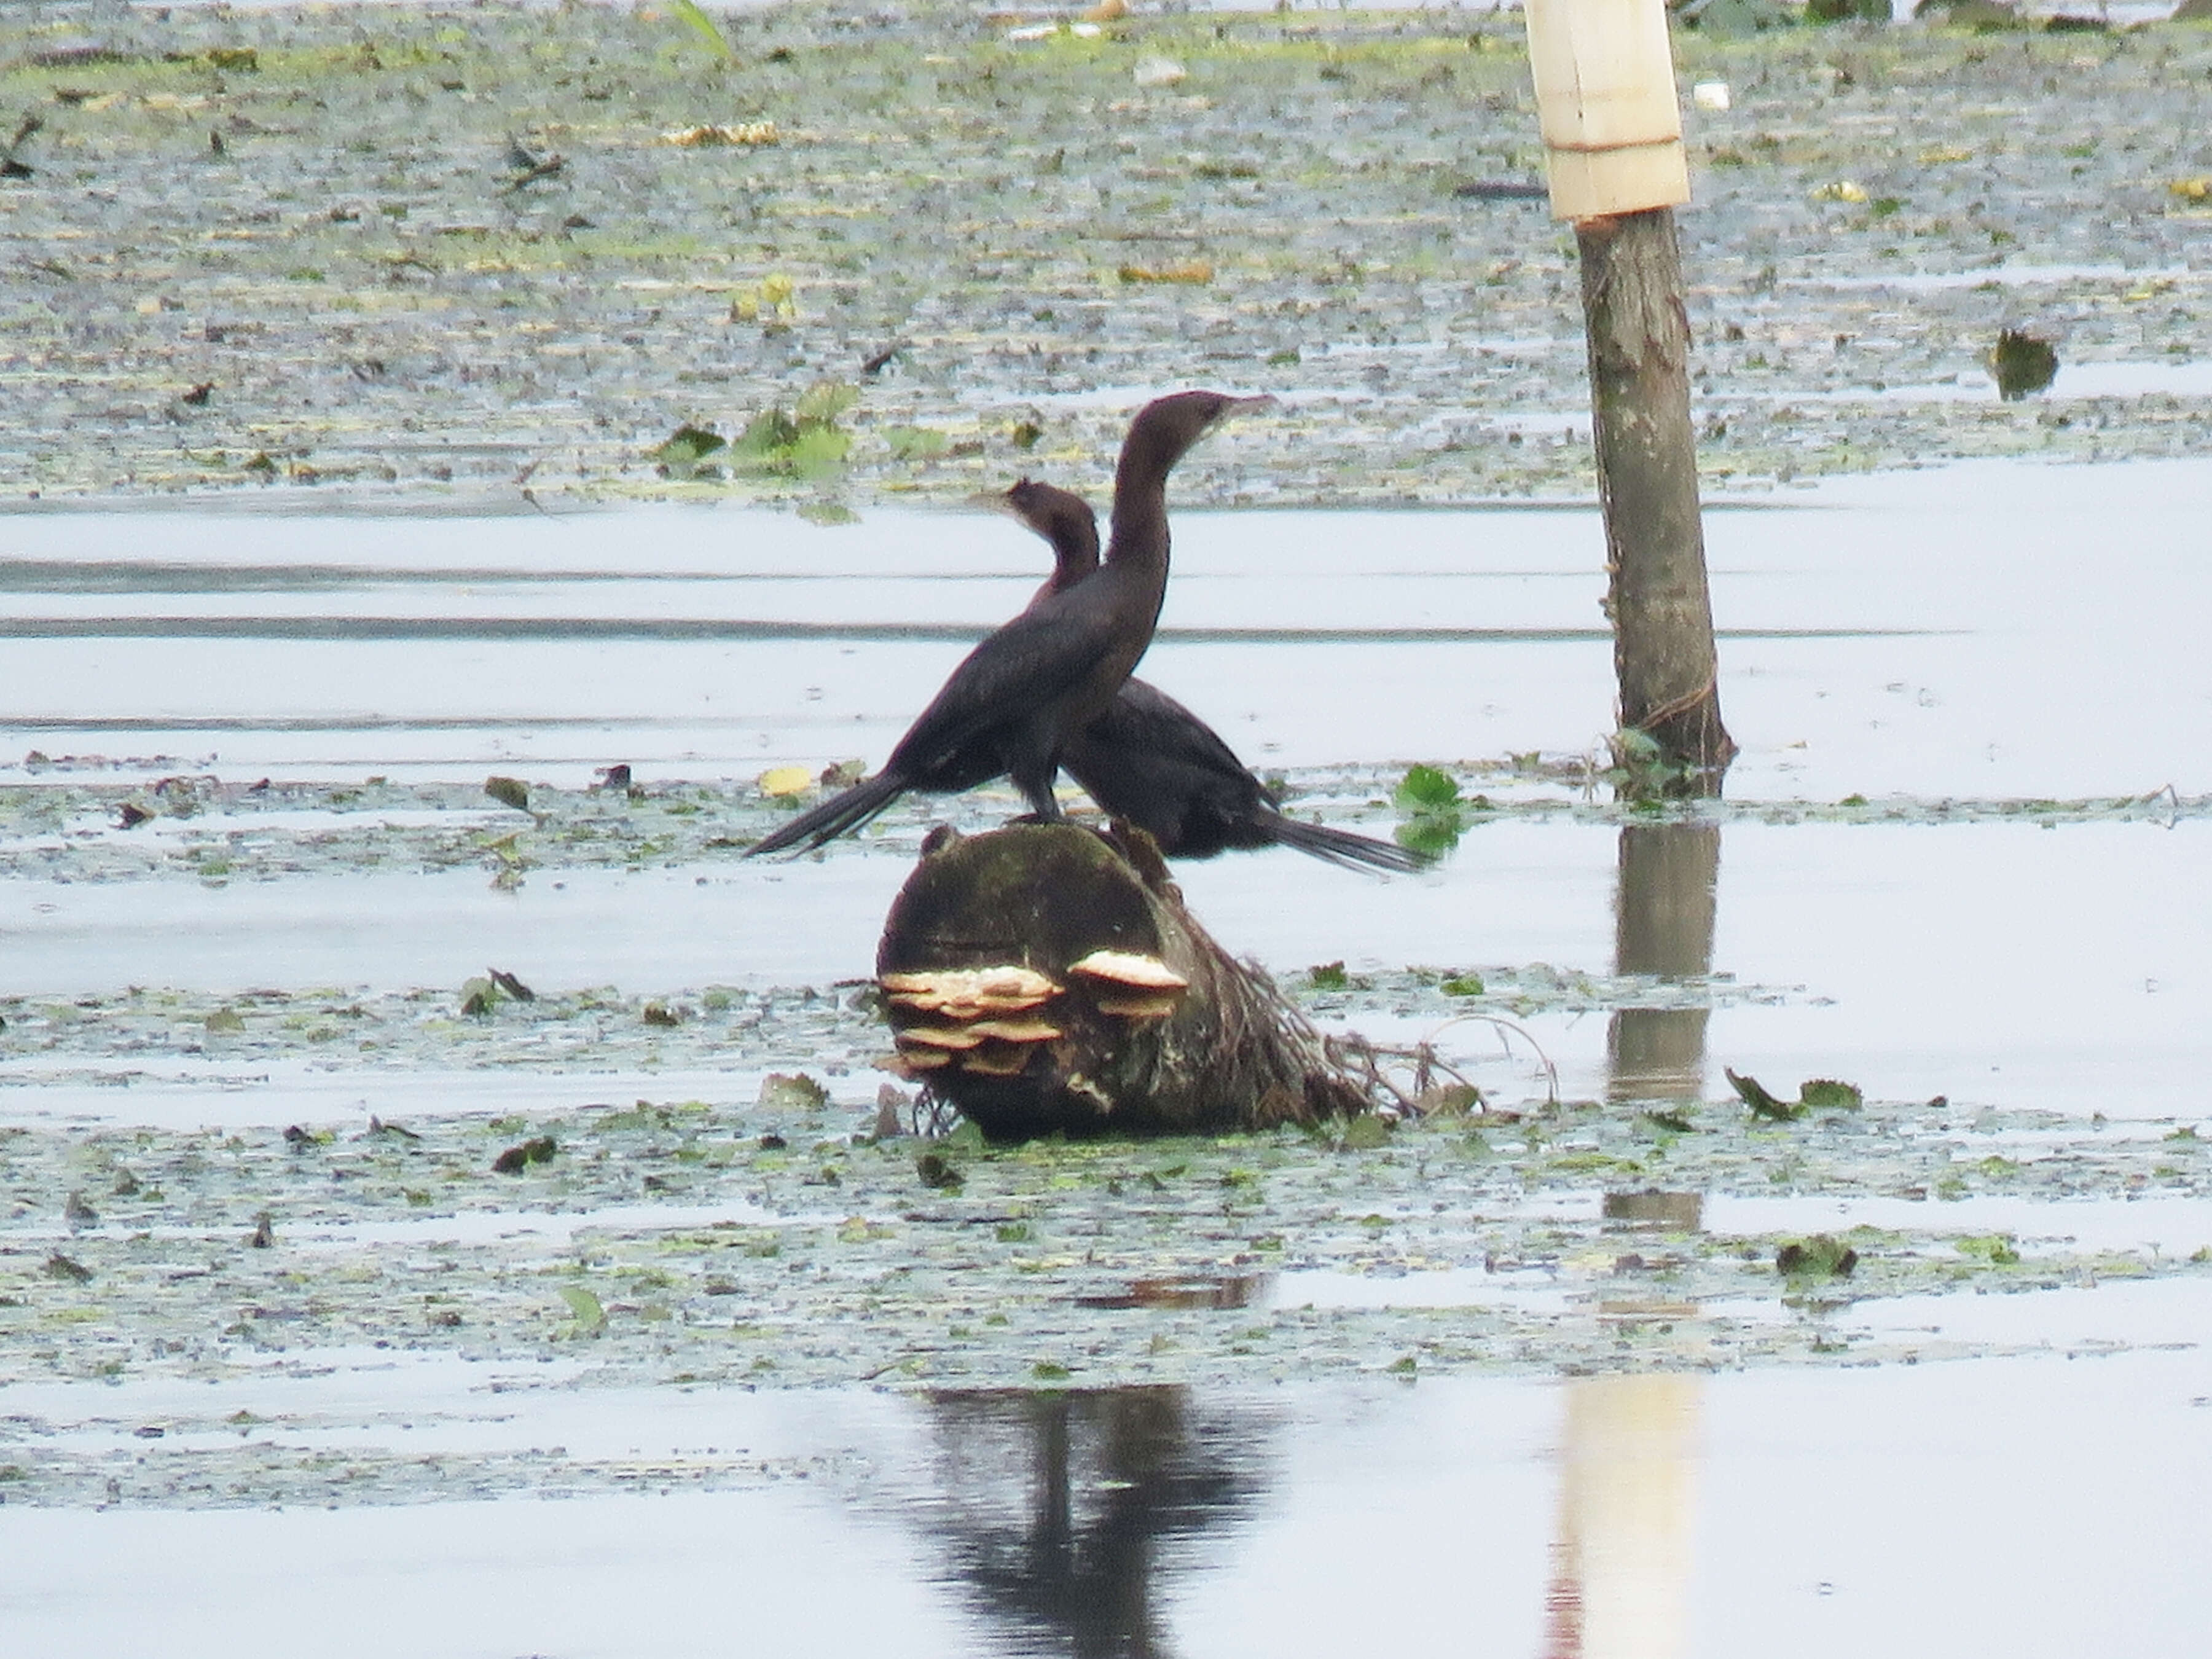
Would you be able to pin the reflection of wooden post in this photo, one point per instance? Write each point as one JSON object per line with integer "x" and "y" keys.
{"x": 1620, "y": 1579}
{"x": 1663, "y": 913}
{"x": 1611, "y": 127}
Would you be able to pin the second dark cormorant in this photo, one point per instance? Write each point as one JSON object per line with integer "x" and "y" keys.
{"x": 1150, "y": 760}
{"x": 1015, "y": 699}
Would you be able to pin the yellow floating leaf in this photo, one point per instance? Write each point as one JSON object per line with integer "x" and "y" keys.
{"x": 1842, "y": 191}
{"x": 1192, "y": 271}
{"x": 1943, "y": 153}
{"x": 780, "y": 780}
{"x": 2191, "y": 190}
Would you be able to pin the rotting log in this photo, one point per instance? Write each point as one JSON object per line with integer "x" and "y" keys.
{"x": 1046, "y": 979}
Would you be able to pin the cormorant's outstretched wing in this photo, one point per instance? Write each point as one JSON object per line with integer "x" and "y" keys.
{"x": 1031, "y": 661}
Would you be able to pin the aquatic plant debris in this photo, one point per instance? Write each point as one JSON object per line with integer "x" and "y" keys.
{"x": 746, "y": 1219}
{"x": 673, "y": 1243}
{"x": 1823, "y": 1093}
{"x": 598, "y": 200}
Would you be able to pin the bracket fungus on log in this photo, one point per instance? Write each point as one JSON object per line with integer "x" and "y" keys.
{"x": 1046, "y": 979}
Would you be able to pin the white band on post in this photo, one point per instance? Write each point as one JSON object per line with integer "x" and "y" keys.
{"x": 1605, "y": 100}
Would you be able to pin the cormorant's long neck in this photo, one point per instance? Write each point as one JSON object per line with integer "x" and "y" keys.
{"x": 1137, "y": 541}
{"x": 1073, "y": 533}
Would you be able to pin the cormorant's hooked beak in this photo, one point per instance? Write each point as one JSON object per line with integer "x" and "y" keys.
{"x": 991, "y": 501}
{"x": 1252, "y": 405}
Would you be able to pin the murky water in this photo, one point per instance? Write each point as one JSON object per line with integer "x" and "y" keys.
{"x": 1930, "y": 635}
{"x": 2031, "y": 1507}
{"x": 1976, "y": 635}
{"x": 1993, "y": 656}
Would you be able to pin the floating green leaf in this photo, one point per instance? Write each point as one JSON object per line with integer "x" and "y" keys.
{"x": 687, "y": 13}
{"x": 681, "y": 452}
{"x": 1448, "y": 1100}
{"x": 1643, "y": 771}
{"x": 1430, "y": 797}
{"x": 817, "y": 452}
{"x": 805, "y": 444}
{"x": 938, "y": 1171}
{"x": 509, "y": 791}
{"x": 1426, "y": 789}
{"x": 2022, "y": 363}
{"x": 826, "y": 400}
{"x": 1828, "y": 1095}
{"x": 1996, "y": 1249}
{"x": 1326, "y": 977}
{"x": 791, "y": 1091}
{"x": 591, "y": 1316}
{"x": 1366, "y": 1133}
{"x": 1763, "y": 1104}
{"x": 1817, "y": 1257}
{"x": 517, "y": 1158}
{"x": 916, "y": 443}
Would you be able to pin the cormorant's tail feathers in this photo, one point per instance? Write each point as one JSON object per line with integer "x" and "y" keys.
{"x": 834, "y": 816}
{"x": 1343, "y": 847}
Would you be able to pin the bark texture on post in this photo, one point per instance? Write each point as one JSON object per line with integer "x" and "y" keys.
{"x": 1647, "y": 476}
{"x": 1085, "y": 1046}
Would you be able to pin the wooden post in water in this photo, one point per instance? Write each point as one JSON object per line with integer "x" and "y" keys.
{"x": 1612, "y": 140}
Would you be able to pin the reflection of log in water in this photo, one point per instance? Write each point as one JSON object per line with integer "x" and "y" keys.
{"x": 1055, "y": 1504}
{"x": 1621, "y": 1563}
{"x": 1664, "y": 924}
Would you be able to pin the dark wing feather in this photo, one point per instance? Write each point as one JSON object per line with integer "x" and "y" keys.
{"x": 1150, "y": 760}
{"x": 1035, "y": 659}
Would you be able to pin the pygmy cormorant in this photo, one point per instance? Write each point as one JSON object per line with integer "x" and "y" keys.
{"x": 1150, "y": 760}
{"x": 1019, "y": 695}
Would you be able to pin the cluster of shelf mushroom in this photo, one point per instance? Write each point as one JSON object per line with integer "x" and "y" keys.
{"x": 990, "y": 1021}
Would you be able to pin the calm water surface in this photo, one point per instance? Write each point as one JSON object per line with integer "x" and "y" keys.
{"x": 1982, "y": 633}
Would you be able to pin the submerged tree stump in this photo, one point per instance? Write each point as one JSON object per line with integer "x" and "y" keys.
{"x": 1046, "y": 979}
